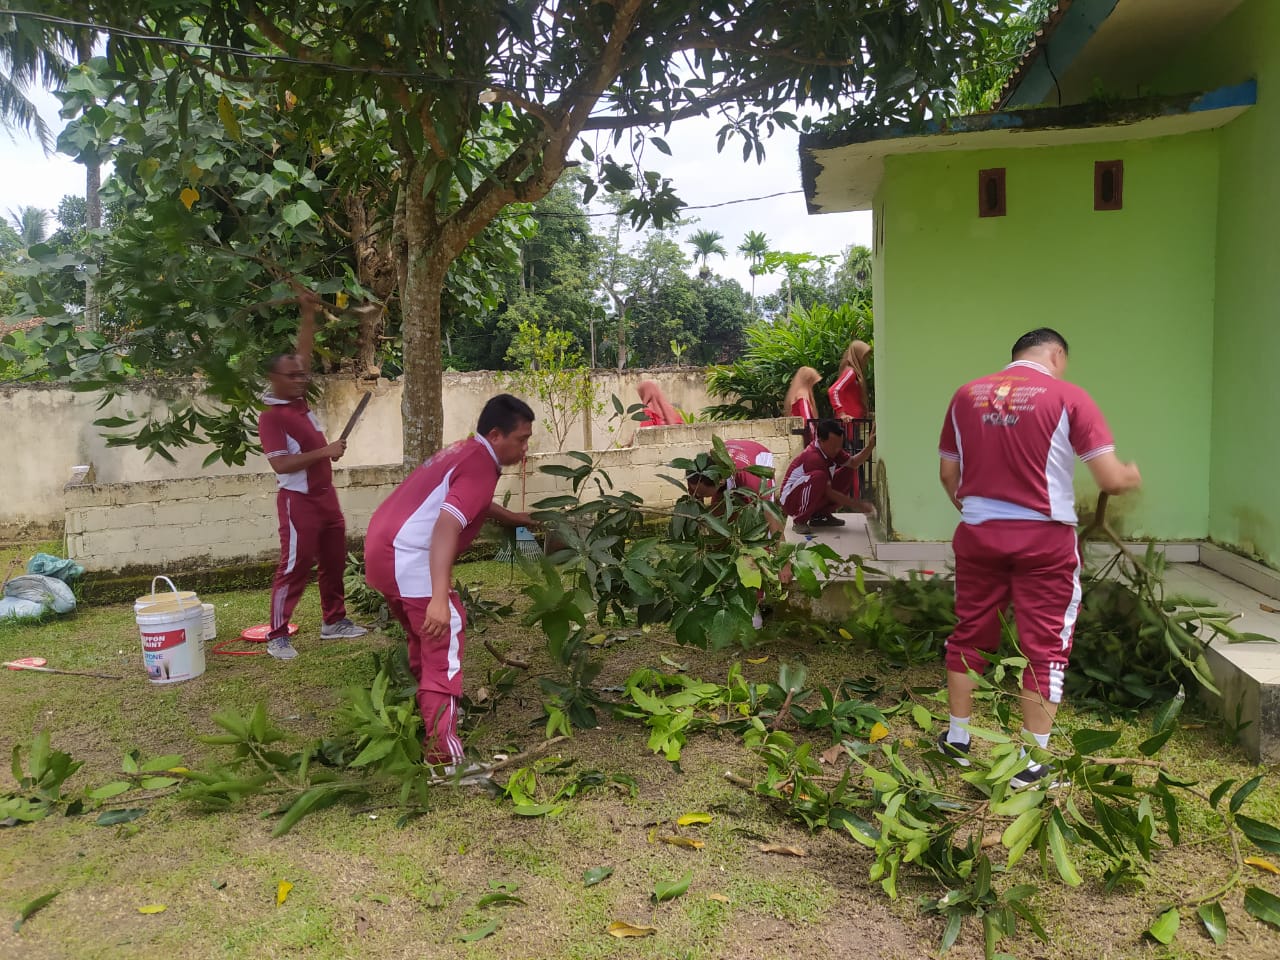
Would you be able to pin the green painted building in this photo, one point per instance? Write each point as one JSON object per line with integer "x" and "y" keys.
{"x": 1127, "y": 193}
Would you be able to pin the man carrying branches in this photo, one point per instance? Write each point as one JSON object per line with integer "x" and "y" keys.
{"x": 313, "y": 531}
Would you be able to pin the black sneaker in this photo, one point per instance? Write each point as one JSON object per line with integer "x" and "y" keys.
{"x": 957, "y": 753}
{"x": 827, "y": 520}
{"x": 1036, "y": 775}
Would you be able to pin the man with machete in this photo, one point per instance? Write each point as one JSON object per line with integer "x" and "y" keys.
{"x": 313, "y": 532}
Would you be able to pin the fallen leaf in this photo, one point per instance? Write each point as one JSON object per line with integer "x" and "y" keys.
{"x": 362, "y": 925}
{"x": 153, "y": 908}
{"x": 832, "y": 754}
{"x": 1262, "y": 864}
{"x": 217, "y": 884}
{"x": 109, "y": 818}
{"x": 490, "y": 899}
{"x": 479, "y": 933}
{"x": 878, "y": 732}
{"x": 433, "y": 900}
{"x": 718, "y": 898}
{"x": 674, "y": 664}
{"x": 282, "y": 891}
{"x": 685, "y": 842}
{"x": 596, "y": 875}
{"x": 341, "y": 299}
{"x": 691, "y": 818}
{"x": 188, "y": 197}
{"x": 757, "y": 660}
{"x": 665, "y": 890}
{"x": 383, "y": 898}
{"x": 32, "y": 907}
{"x": 1267, "y": 608}
{"x": 622, "y": 929}
{"x": 782, "y": 848}
{"x": 846, "y": 634}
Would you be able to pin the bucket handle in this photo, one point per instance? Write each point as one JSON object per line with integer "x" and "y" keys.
{"x": 176, "y": 595}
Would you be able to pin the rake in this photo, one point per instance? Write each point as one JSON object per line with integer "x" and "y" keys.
{"x": 523, "y": 543}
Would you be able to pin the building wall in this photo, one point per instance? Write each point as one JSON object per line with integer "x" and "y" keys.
{"x": 1245, "y": 442}
{"x": 197, "y": 523}
{"x": 49, "y": 430}
{"x": 1132, "y": 291}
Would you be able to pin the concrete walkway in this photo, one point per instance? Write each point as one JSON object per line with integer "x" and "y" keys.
{"x": 1248, "y": 674}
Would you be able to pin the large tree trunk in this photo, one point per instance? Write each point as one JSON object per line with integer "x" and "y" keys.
{"x": 422, "y": 404}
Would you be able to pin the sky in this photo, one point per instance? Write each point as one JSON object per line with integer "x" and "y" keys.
{"x": 699, "y": 175}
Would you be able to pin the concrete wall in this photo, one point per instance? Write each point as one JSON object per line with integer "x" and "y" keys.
{"x": 1131, "y": 290}
{"x": 1243, "y": 450}
{"x": 48, "y": 430}
{"x": 169, "y": 525}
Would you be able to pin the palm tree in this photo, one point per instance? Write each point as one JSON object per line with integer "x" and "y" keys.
{"x": 30, "y": 55}
{"x": 32, "y": 225}
{"x": 754, "y": 246}
{"x": 705, "y": 243}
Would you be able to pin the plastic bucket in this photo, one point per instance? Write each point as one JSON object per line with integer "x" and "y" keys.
{"x": 150, "y": 599}
{"x": 210, "y": 621}
{"x": 172, "y": 635}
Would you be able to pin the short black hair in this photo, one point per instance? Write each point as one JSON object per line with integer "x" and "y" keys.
{"x": 273, "y": 362}
{"x": 827, "y": 426}
{"x": 505, "y": 413}
{"x": 1038, "y": 338}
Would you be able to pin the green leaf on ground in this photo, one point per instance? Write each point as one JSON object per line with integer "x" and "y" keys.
{"x": 596, "y": 875}
{"x": 670, "y": 889}
{"x": 479, "y": 933}
{"x": 1166, "y": 926}
{"x": 109, "y": 818}
{"x": 1263, "y": 905}
{"x": 1214, "y": 920}
{"x": 32, "y": 907}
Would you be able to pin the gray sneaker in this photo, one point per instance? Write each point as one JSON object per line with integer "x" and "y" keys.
{"x": 342, "y": 630}
{"x": 281, "y": 648}
{"x": 462, "y": 774}
{"x": 802, "y": 528}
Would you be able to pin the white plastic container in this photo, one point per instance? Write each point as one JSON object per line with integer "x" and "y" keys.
{"x": 172, "y": 631}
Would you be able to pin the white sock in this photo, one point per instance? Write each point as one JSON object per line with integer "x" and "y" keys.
{"x": 959, "y": 732}
{"x": 1043, "y": 740}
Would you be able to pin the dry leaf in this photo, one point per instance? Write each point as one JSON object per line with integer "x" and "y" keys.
{"x": 684, "y": 842}
{"x": 832, "y": 754}
{"x": 362, "y": 925}
{"x": 622, "y": 929}
{"x": 153, "y": 908}
{"x": 341, "y": 299}
{"x": 188, "y": 197}
{"x": 846, "y": 634}
{"x": 282, "y": 891}
{"x": 782, "y": 848}
{"x": 1262, "y": 864}
{"x": 878, "y": 732}
{"x": 691, "y": 818}
{"x": 718, "y": 898}
{"x": 757, "y": 659}
{"x": 1267, "y": 608}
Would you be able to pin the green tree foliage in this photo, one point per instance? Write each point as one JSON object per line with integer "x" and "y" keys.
{"x": 482, "y": 105}
{"x": 32, "y": 54}
{"x": 759, "y": 379}
{"x": 1003, "y": 45}
{"x": 550, "y": 369}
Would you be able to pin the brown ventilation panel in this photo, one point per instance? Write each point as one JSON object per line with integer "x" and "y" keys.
{"x": 1108, "y": 185}
{"x": 991, "y": 199}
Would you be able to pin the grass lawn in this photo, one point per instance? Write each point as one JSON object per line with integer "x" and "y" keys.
{"x": 364, "y": 888}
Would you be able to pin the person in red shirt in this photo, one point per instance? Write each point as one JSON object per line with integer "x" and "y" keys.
{"x": 815, "y": 481}
{"x": 1008, "y": 449}
{"x": 848, "y": 395}
{"x": 658, "y": 410}
{"x": 312, "y": 529}
{"x": 799, "y": 400}
{"x": 413, "y": 540}
{"x": 748, "y": 456}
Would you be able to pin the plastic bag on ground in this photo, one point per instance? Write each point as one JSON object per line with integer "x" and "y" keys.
{"x": 15, "y": 608}
{"x": 46, "y": 591}
{"x": 47, "y": 565}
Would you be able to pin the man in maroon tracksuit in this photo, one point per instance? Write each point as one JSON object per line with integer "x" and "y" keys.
{"x": 1008, "y": 450}
{"x": 312, "y": 529}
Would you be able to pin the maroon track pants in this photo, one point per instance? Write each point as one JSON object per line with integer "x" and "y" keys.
{"x": 312, "y": 533}
{"x": 810, "y": 499}
{"x": 436, "y": 663}
{"x": 1035, "y": 566}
